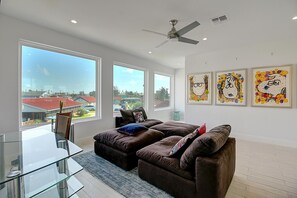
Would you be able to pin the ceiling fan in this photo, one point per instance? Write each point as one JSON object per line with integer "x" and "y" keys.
{"x": 177, "y": 35}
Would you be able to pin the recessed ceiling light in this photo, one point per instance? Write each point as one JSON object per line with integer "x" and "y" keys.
{"x": 204, "y": 39}
{"x": 150, "y": 52}
{"x": 294, "y": 18}
{"x": 73, "y": 21}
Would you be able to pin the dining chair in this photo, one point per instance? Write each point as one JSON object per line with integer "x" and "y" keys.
{"x": 63, "y": 124}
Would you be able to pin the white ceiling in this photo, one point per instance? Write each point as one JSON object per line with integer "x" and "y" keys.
{"x": 119, "y": 23}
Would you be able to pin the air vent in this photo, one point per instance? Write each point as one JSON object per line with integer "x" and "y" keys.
{"x": 219, "y": 20}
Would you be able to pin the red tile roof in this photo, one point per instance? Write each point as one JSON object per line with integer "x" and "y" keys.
{"x": 117, "y": 97}
{"x": 88, "y": 99}
{"x": 50, "y": 103}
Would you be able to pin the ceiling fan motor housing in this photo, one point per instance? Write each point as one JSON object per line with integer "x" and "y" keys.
{"x": 172, "y": 33}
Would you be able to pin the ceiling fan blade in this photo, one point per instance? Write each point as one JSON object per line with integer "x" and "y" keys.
{"x": 164, "y": 42}
{"x": 154, "y": 32}
{"x": 187, "y": 28}
{"x": 186, "y": 40}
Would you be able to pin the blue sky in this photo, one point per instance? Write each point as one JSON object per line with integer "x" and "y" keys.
{"x": 47, "y": 70}
{"x": 128, "y": 79}
{"x": 133, "y": 80}
{"x": 162, "y": 81}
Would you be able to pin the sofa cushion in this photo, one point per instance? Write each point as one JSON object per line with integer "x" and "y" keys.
{"x": 158, "y": 154}
{"x": 127, "y": 116}
{"x": 150, "y": 122}
{"x": 205, "y": 145}
{"x": 175, "y": 128}
{"x": 131, "y": 129}
{"x": 127, "y": 143}
{"x": 183, "y": 143}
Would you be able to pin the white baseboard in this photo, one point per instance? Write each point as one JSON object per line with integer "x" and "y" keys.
{"x": 266, "y": 140}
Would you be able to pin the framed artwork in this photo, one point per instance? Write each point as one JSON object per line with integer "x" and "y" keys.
{"x": 230, "y": 87}
{"x": 271, "y": 86}
{"x": 199, "y": 88}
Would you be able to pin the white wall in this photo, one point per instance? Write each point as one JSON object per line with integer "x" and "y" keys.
{"x": 274, "y": 125}
{"x": 12, "y": 30}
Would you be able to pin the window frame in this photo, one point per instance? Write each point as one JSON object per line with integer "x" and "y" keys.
{"x": 171, "y": 100}
{"x": 146, "y": 74}
{"x": 98, "y": 60}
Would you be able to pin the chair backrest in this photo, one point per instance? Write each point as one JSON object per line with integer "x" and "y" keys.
{"x": 63, "y": 124}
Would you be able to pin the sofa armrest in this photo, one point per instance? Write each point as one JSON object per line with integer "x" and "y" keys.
{"x": 214, "y": 173}
{"x": 119, "y": 122}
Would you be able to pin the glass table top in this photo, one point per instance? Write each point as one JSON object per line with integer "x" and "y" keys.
{"x": 24, "y": 152}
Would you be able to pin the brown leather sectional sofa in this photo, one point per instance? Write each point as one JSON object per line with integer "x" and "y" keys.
{"x": 199, "y": 172}
{"x": 205, "y": 169}
{"x": 120, "y": 149}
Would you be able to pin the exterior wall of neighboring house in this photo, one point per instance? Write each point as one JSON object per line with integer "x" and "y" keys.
{"x": 34, "y": 113}
{"x": 85, "y": 102}
{"x": 81, "y": 101}
{"x": 31, "y": 112}
{"x": 28, "y": 109}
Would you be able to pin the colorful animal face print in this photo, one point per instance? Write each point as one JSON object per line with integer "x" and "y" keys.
{"x": 230, "y": 88}
{"x": 275, "y": 84}
{"x": 199, "y": 87}
{"x": 271, "y": 86}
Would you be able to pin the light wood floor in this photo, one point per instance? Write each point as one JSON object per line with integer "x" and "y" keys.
{"x": 262, "y": 170}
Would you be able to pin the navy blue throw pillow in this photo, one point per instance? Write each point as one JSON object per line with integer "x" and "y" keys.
{"x": 131, "y": 129}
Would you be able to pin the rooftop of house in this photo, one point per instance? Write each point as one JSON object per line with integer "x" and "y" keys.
{"x": 88, "y": 99}
{"x": 50, "y": 103}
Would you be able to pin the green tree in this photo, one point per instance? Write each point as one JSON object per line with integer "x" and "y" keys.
{"x": 162, "y": 94}
{"x": 135, "y": 105}
{"x": 80, "y": 112}
{"x": 129, "y": 93}
{"x": 92, "y": 93}
{"x": 116, "y": 91}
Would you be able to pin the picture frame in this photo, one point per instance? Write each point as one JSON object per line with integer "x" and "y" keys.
{"x": 230, "y": 87}
{"x": 199, "y": 88}
{"x": 272, "y": 86}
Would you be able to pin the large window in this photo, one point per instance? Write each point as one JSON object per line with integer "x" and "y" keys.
{"x": 128, "y": 88}
{"x": 161, "y": 91}
{"x": 50, "y": 76}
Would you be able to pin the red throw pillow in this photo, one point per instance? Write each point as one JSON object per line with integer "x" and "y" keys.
{"x": 202, "y": 129}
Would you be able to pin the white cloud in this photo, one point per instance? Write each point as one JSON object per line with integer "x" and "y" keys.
{"x": 133, "y": 82}
{"x": 128, "y": 70}
{"x": 43, "y": 70}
